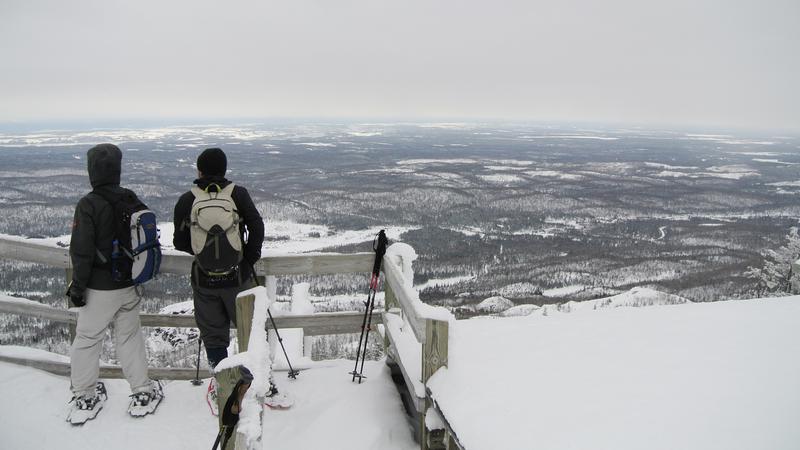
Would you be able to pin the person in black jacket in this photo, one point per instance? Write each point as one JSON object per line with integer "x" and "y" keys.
{"x": 215, "y": 295}
{"x": 101, "y": 299}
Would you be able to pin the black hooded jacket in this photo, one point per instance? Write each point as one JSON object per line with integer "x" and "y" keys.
{"x": 93, "y": 224}
{"x": 252, "y": 223}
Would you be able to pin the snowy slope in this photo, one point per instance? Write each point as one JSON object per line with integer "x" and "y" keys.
{"x": 722, "y": 375}
{"x": 330, "y": 412}
{"x": 685, "y": 376}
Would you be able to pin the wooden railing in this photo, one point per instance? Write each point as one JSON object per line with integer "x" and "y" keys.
{"x": 418, "y": 360}
{"x": 415, "y": 334}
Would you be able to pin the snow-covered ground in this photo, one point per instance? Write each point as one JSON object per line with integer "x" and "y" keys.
{"x": 595, "y": 375}
{"x": 722, "y": 375}
{"x": 330, "y": 412}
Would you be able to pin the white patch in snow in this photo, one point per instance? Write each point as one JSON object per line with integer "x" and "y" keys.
{"x": 570, "y": 136}
{"x": 316, "y": 144}
{"x": 669, "y": 167}
{"x": 45, "y": 173}
{"x": 416, "y": 162}
{"x": 520, "y": 310}
{"x": 726, "y": 172}
{"x": 553, "y": 174}
{"x": 564, "y": 290}
{"x": 775, "y": 161}
{"x": 503, "y": 168}
{"x": 501, "y": 178}
{"x": 785, "y": 184}
{"x": 494, "y": 305}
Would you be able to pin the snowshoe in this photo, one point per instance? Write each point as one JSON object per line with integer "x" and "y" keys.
{"x": 144, "y": 403}
{"x": 83, "y": 409}
{"x": 211, "y": 397}
{"x": 278, "y": 400}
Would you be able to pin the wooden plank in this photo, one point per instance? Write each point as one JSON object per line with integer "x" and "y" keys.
{"x": 34, "y": 251}
{"x": 434, "y": 356}
{"x": 317, "y": 264}
{"x": 389, "y": 304}
{"x": 434, "y": 349}
{"x": 313, "y": 324}
{"x": 38, "y": 310}
{"x": 245, "y": 306}
{"x": 419, "y": 402}
{"x": 226, "y": 380}
{"x": 63, "y": 368}
{"x": 451, "y": 441}
{"x": 311, "y": 264}
{"x": 180, "y": 264}
{"x": 402, "y": 293}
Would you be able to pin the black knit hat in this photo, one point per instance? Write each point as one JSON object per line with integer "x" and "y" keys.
{"x": 212, "y": 162}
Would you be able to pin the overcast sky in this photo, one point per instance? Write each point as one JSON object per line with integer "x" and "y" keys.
{"x": 729, "y": 63}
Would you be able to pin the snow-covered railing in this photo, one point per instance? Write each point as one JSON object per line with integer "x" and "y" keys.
{"x": 251, "y": 311}
{"x": 51, "y": 253}
{"x": 415, "y": 334}
{"x": 417, "y": 338}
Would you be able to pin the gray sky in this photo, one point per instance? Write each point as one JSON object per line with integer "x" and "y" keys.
{"x": 729, "y": 63}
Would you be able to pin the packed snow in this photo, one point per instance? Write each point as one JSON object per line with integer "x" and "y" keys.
{"x": 704, "y": 376}
{"x": 329, "y": 412}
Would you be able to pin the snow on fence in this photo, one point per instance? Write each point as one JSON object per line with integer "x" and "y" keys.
{"x": 415, "y": 334}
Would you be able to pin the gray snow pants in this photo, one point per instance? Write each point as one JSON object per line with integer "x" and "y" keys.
{"x": 120, "y": 306}
{"x": 215, "y": 310}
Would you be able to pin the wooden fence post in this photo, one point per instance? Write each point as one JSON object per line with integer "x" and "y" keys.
{"x": 245, "y": 306}
{"x": 434, "y": 356}
{"x": 226, "y": 379}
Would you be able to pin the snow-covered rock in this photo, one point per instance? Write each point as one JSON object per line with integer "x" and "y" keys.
{"x": 520, "y": 310}
{"x": 493, "y": 305}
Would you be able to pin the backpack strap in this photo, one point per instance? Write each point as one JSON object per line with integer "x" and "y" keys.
{"x": 228, "y": 190}
{"x": 200, "y": 194}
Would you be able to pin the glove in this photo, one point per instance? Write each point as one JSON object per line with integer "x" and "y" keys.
{"x": 75, "y": 295}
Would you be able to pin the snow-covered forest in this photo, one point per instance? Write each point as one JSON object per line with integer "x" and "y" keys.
{"x": 533, "y": 215}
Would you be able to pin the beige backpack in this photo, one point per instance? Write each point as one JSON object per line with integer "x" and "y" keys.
{"x": 214, "y": 229}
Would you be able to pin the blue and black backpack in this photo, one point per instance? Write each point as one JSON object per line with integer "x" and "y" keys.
{"x": 136, "y": 250}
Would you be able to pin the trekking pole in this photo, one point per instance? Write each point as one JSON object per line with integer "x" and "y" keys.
{"x": 379, "y": 246}
{"x": 196, "y": 380}
{"x": 292, "y": 373}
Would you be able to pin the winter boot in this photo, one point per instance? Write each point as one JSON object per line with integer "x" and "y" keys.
{"x": 211, "y": 397}
{"x": 144, "y": 403}
{"x": 278, "y": 400}
{"x": 84, "y": 408}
